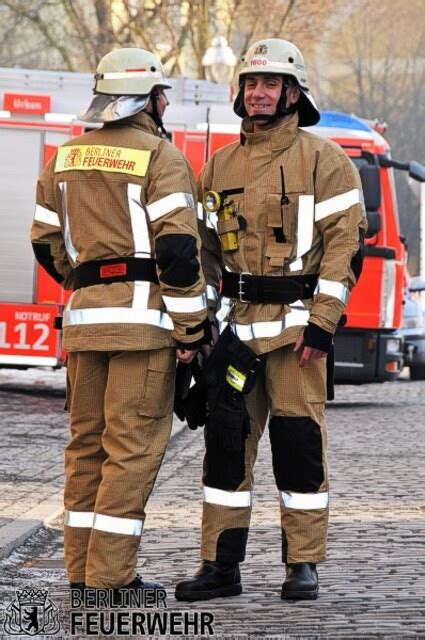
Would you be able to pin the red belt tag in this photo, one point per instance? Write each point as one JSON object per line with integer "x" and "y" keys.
{"x": 111, "y": 270}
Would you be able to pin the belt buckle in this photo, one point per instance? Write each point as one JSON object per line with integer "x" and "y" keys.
{"x": 241, "y": 283}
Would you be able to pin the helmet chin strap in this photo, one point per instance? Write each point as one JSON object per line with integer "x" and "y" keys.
{"x": 155, "y": 115}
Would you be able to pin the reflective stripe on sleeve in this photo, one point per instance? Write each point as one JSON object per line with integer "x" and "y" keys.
{"x": 42, "y": 214}
{"x": 117, "y": 315}
{"x": 304, "y": 501}
{"x": 111, "y": 524}
{"x": 227, "y": 498}
{"x": 139, "y": 225}
{"x": 200, "y": 210}
{"x": 83, "y": 519}
{"x": 337, "y": 203}
{"x": 69, "y": 245}
{"x": 167, "y": 204}
{"x": 212, "y": 293}
{"x": 334, "y": 289}
{"x": 185, "y": 304}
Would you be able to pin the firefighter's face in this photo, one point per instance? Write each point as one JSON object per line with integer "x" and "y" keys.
{"x": 161, "y": 101}
{"x": 262, "y": 93}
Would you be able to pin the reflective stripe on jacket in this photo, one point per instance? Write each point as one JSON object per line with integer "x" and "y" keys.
{"x": 303, "y": 207}
{"x": 114, "y": 192}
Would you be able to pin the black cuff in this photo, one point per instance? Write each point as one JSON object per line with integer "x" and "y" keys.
{"x": 204, "y": 326}
{"x": 317, "y": 338}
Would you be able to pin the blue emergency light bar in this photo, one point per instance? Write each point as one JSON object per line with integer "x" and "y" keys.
{"x": 338, "y": 120}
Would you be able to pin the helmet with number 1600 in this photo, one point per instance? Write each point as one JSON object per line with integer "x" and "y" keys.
{"x": 278, "y": 57}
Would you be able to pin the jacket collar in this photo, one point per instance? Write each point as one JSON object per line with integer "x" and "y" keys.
{"x": 279, "y": 137}
{"x": 140, "y": 120}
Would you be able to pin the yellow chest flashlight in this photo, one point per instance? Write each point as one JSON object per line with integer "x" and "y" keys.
{"x": 215, "y": 202}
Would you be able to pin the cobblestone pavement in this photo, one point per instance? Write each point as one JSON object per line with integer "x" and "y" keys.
{"x": 373, "y": 585}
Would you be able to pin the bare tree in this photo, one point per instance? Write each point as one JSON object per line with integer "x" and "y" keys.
{"x": 75, "y": 34}
{"x": 372, "y": 63}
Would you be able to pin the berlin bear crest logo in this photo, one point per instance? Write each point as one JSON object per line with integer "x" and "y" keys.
{"x": 261, "y": 50}
{"x": 32, "y": 613}
{"x": 74, "y": 158}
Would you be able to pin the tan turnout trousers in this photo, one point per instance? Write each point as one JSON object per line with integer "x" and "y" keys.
{"x": 120, "y": 405}
{"x": 294, "y": 398}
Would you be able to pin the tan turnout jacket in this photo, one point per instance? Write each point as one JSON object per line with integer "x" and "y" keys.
{"x": 321, "y": 224}
{"x": 110, "y": 193}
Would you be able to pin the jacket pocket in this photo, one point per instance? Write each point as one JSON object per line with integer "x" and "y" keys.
{"x": 157, "y": 397}
{"x": 280, "y": 229}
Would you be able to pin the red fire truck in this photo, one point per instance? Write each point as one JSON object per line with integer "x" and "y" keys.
{"x": 34, "y": 122}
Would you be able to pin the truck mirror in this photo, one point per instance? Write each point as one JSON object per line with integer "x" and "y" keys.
{"x": 373, "y": 223}
{"x": 369, "y": 175}
{"x": 417, "y": 171}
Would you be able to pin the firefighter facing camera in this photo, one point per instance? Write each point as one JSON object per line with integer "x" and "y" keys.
{"x": 283, "y": 209}
{"x": 115, "y": 221}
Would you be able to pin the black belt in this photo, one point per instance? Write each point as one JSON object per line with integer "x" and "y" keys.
{"x": 268, "y": 289}
{"x": 115, "y": 270}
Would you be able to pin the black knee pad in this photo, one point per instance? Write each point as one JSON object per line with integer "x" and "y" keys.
{"x": 297, "y": 454}
{"x": 231, "y": 545}
{"x": 223, "y": 469}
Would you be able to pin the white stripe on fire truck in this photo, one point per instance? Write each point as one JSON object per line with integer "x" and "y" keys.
{"x": 304, "y": 501}
{"x": 185, "y": 304}
{"x": 167, "y": 204}
{"x": 83, "y": 519}
{"x": 42, "y": 214}
{"x": 117, "y": 315}
{"x": 71, "y": 250}
{"x": 112, "y": 524}
{"x": 334, "y": 289}
{"x": 337, "y": 203}
{"x": 227, "y": 498}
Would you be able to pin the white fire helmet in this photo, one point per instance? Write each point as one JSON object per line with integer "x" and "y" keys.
{"x": 279, "y": 57}
{"x": 124, "y": 79}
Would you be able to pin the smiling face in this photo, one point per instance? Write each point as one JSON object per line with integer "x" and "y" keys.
{"x": 262, "y": 93}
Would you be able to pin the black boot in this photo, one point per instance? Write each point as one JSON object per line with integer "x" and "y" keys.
{"x": 301, "y": 582}
{"x": 213, "y": 580}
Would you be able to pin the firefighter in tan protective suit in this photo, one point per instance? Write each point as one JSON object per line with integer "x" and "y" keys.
{"x": 116, "y": 222}
{"x": 296, "y": 251}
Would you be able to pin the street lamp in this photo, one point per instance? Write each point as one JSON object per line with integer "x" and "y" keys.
{"x": 219, "y": 61}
